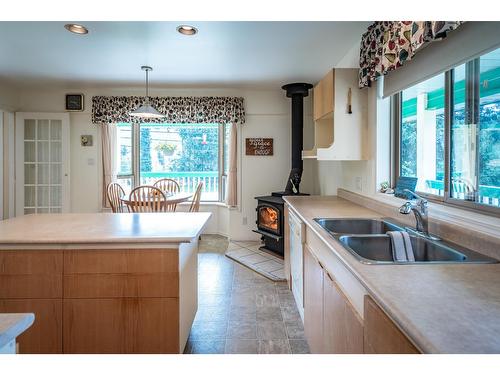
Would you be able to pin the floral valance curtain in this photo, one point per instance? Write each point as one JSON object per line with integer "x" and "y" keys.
{"x": 387, "y": 45}
{"x": 116, "y": 109}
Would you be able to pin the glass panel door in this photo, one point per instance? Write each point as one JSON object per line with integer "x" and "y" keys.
{"x": 43, "y": 159}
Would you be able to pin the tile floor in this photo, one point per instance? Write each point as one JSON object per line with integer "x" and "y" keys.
{"x": 240, "y": 311}
{"x": 249, "y": 254}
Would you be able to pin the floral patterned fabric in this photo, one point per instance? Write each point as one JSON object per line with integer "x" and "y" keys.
{"x": 115, "y": 109}
{"x": 387, "y": 45}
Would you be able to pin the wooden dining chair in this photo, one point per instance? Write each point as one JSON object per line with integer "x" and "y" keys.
{"x": 114, "y": 193}
{"x": 195, "y": 203}
{"x": 167, "y": 185}
{"x": 147, "y": 199}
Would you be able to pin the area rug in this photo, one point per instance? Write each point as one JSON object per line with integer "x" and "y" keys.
{"x": 250, "y": 255}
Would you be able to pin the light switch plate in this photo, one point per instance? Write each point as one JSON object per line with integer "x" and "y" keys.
{"x": 86, "y": 140}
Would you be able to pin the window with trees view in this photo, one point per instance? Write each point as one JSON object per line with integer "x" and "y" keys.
{"x": 186, "y": 153}
{"x": 449, "y": 133}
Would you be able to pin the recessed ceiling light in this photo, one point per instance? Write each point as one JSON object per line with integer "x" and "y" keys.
{"x": 76, "y": 29}
{"x": 187, "y": 30}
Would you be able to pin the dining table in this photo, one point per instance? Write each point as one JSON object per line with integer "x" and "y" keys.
{"x": 172, "y": 199}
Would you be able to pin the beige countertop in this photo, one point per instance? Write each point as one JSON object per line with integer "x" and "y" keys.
{"x": 129, "y": 228}
{"x": 442, "y": 308}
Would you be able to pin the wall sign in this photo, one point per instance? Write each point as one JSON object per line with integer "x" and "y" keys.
{"x": 259, "y": 146}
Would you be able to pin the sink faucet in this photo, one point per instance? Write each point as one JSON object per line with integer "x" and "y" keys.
{"x": 420, "y": 210}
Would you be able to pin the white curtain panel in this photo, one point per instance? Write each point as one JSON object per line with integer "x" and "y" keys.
{"x": 232, "y": 179}
{"x": 109, "y": 159}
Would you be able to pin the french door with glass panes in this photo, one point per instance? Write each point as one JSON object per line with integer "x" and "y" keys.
{"x": 42, "y": 163}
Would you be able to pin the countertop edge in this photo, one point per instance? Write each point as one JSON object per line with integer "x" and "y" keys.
{"x": 20, "y": 324}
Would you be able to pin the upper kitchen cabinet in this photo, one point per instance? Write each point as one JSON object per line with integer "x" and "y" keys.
{"x": 340, "y": 117}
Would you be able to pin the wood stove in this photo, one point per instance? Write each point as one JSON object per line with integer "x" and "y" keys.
{"x": 270, "y": 220}
{"x": 270, "y": 209}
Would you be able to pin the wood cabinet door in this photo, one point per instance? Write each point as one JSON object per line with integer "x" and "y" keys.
{"x": 45, "y": 335}
{"x": 323, "y": 96}
{"x": 343, "y": 328}
{"x": 381, "y": 335}
{"x": 121, "y": 325}
{"x": 318, "y": 100}
{"x": 313, "y": 301}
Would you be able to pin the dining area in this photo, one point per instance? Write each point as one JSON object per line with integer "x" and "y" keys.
{"x": 164, "y": 195}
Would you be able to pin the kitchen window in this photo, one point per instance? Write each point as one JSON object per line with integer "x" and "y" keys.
{"x": 186, "y": 153}
{"x": 448, "y": 134}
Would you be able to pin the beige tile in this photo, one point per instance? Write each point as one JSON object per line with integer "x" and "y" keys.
{"x": 242, "y": 330}
{"x": 286, "y": 300}
{"x": 206, "y": 330}
{"x": 210, "y": 299}
{"x": 271, "y": 330}
{"x": 236, "y": 346}
{"x": 247, "y": 243}
{"x": 267, "y": 299}
{"x": 241, "y": 252}
{"x": 268, "y": 313}
{"x": 290, "y": 313}
{"x": 212, "y": 313}
{"x": 279, "y": 274}
{"x": 270, "y": 265}
{"x": 253, "y": 259}
{"x": 243, "y": 299}
{"x": 208, "y": 347}
{"x": 233, "y": 246}
{"x": 274, "y": 347}
{"x": 243, "y": 313}
{"x": 295, "y": 330}
{"x": 255, "y": 247}
{"x": 299, "y": 346}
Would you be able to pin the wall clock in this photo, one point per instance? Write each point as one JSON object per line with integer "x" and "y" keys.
{"x": 74, "y": 102}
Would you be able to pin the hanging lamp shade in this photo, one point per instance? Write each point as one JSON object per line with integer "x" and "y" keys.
{"x": 146, "y": 110}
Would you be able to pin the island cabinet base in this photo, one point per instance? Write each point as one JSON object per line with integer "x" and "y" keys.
{"x": 102, "y": 300}
{"x": 121, "y": 325}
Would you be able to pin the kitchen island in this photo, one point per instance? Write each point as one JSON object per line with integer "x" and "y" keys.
{"x": 102, "y": 283}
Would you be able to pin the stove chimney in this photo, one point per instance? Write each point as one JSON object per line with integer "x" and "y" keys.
{"x": 296, "y": 91}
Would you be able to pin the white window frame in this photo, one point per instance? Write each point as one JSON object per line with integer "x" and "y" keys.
{"x": 136, "y": 153}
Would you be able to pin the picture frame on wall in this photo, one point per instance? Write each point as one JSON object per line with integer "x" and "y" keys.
{"x": 74, "y": 102}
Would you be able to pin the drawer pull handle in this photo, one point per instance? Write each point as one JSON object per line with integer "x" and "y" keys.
{"x": 330, "y": 277}
{"x": 321, "y": 264}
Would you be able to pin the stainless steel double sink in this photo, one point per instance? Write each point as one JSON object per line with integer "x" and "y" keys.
{"x": 367, "y": 240}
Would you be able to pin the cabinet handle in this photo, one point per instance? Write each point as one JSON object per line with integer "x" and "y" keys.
{"x": 321, "y": 264}
{"x": 327, "y": 274}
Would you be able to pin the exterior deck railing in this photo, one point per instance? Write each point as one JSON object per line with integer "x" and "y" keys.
{"x": 489, "y": 195}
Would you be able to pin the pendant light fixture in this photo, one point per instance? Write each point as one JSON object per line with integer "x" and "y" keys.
{"x": 146, "y": 110}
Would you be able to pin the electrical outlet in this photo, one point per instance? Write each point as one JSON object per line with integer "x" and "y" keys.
{"x": 245, "y": 220}
{"x": 359, "y": 183}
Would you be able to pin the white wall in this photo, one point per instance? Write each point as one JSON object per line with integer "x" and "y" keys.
{"x": 8, "y": 103}
{"x": 8, "y": 97}
{"x": 267, "y": 115}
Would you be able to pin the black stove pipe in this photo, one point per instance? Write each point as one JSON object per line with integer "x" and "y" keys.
{"x": 296, "y": 91}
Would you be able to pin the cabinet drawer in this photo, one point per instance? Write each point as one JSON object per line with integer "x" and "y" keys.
{"x": 45, "y": 335}
{"x": 121, "y": 261}
{"x": 381, "y": 335}
{"x": 121, "y": 325}
{"x": 28, "y": 262}
{"x": 31, "y": 274}
{"x": 121, "y": 285}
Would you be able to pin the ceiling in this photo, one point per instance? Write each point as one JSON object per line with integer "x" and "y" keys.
{"x": 221, "y": 54}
